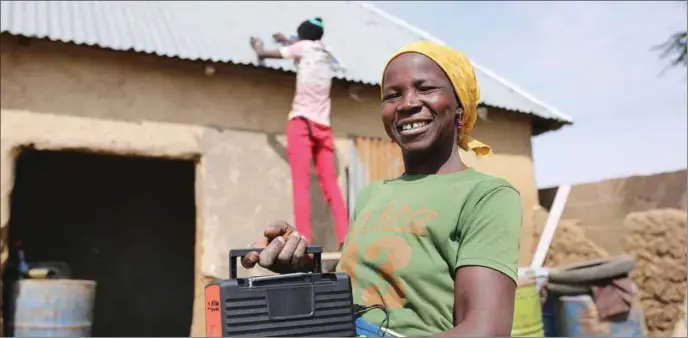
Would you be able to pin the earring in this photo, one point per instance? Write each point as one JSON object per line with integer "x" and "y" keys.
{"x": 458, "y": 122}
{"x": 459, "y": 115}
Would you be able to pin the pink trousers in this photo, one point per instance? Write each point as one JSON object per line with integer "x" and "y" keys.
{"x": 306, "y": 141}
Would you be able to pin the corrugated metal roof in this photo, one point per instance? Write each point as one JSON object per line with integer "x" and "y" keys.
{"x": 360, "y": 35}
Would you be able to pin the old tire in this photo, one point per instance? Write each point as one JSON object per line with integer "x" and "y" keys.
{"x": 591, "y": 271}
{"x": 567, "y": 289}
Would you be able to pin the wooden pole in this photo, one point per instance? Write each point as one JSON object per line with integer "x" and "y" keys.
{"x": 550, "y": 226}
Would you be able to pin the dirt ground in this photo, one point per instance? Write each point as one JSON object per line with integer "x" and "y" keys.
{"x": 657, "y": 239}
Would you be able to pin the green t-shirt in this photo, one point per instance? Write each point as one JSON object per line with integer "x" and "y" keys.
{"x": 410, "y": 235}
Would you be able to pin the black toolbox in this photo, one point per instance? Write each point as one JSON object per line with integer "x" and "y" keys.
{"x": 297, "y": 304}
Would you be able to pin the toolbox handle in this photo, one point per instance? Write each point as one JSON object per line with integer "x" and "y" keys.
{"x": 315, "y": 250}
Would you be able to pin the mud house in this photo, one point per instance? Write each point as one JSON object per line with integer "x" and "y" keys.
{"x": 142, "y": 140}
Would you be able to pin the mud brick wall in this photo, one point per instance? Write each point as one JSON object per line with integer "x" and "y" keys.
{"x": 601, "y": 207}
{"x": 657, "y": 239}
{"x": 570, "y": 243}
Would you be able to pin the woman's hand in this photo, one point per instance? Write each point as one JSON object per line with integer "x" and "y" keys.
{"x": 256, "y": 43}
{"x": 280, "y": 37}
{"x": 284, "y": 250}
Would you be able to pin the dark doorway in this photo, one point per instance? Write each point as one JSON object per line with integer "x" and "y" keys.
{"x": 127, "y": 223}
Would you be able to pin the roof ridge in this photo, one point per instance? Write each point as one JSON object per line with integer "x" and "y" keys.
{"x": 427, "y": 36}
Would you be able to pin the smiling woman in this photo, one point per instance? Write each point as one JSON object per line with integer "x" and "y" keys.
{"x": 418, "y": 112}
{"x": 437, "y": 248}
{"x": 437, "y": 88}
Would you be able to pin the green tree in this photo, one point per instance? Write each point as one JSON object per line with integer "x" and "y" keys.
{"x": 676, "y": 47}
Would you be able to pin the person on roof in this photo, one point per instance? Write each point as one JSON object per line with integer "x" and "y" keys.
{"x": 309, "y": 133}
{"x": 436, "y": 248}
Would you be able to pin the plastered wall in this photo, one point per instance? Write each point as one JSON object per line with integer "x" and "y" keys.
{"x": 509, "y": 136}
{"x": 57, "y": 96}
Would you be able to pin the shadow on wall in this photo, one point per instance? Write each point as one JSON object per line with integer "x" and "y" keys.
{"x": 322, "y": 222}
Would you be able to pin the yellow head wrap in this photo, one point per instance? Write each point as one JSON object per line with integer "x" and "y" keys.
{"x": 462, "y": 76}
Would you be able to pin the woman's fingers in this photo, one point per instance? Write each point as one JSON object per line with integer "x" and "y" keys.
{"x": 299, "y": 253}
{"x": 250, "y": 260}
{"x": 270, "y": 253}
{"x": 281, "y": 243}
{"x": 293, "y": 240}
{"x": 280, "y": 228}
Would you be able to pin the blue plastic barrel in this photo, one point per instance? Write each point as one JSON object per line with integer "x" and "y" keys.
{"x": 577, "y": 316}
{"x": 549, "y": 318}
{"x": 52, "y": 308}
{"x": 549, "y": 323}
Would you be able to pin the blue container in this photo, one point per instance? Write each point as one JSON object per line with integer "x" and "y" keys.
{"x": 52, "y": 308}
{"x": 549, "y": 318}
{"x": 549, "y": 322}
{"x": 577, "y": 316}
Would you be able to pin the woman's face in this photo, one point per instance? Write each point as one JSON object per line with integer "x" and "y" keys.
{"x": 419, "y": 105}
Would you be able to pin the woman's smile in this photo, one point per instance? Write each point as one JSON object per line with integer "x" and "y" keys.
{"x": 413, "y": 126}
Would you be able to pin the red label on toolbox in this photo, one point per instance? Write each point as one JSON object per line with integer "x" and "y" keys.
{"x": 213, "y": 311}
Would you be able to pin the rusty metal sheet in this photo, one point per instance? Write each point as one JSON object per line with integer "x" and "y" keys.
{"x": 381, "y": 158}
{"x": 371, "y": 159}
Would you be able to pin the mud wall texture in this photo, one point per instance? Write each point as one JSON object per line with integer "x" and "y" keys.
{"x": 642, "y": 215}
{"x": 602, "y": 206}
{"x": 657, "y": 239}
{"x": 570, "y": 243}
{"x": 58, "y": 96}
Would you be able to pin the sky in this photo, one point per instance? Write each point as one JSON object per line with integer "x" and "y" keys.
{"x": 592, "y": 61}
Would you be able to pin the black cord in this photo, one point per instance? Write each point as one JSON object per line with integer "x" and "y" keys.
{"x": 360, "y": 310}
